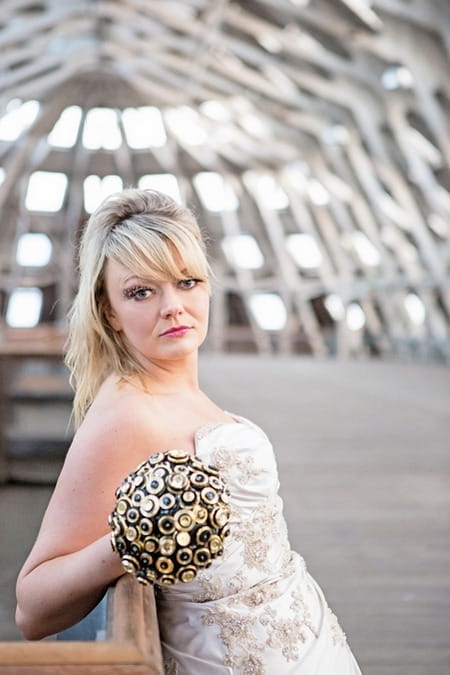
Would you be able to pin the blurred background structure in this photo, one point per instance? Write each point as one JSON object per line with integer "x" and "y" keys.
{"x": 312, "y": 140}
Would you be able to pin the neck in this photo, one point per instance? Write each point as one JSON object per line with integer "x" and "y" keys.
{"x": 170, "y": 377}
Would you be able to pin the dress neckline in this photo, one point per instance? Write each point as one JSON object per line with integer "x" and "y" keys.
{"x": 207, "y": 428}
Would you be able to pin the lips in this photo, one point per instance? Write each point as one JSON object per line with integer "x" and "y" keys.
{"x": 176, "y": 331}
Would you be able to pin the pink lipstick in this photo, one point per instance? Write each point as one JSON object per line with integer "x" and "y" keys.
{"x": 176, "y": 331}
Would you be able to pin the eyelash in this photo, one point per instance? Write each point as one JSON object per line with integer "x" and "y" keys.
{"x": 133, "y": 293}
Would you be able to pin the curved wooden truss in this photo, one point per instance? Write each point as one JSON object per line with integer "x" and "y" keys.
{"x": 340, "y": 106}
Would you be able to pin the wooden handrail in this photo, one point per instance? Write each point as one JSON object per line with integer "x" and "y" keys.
{"x": 131, "y": 646}
{"x": 42, "y": 340}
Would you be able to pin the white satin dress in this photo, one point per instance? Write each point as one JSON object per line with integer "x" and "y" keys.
{"x": 255, "y": 610}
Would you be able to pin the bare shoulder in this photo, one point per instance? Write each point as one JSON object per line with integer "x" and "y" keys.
{"x": 118, "y": 428}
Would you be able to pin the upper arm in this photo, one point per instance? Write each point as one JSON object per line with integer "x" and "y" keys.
{"x": 103, "y": 451}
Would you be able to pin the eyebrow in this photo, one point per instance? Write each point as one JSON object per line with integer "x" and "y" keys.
{"x": 133, "y": 277}
{"x": 145, "y": 280}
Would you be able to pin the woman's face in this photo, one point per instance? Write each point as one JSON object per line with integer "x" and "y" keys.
{"x": 159, "y": 320}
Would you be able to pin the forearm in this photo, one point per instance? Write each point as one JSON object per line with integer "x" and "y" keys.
{"x": 58, "y": 593}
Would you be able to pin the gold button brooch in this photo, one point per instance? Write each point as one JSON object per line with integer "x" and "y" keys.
{"x": 170, "y": 519}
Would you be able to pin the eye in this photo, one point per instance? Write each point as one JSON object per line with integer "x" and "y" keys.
{"x": 188, "y": 283}
{"x": 138, "y": 292}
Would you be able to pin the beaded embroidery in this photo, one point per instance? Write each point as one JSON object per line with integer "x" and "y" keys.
{"x": 214, "y": 586}
{"x": 257, "y": 534}
{"x": 238, "y": 635}
{"x": 338, "y": 636}
{"x": 225, "y": 460}
{"x": 245, "y": 636}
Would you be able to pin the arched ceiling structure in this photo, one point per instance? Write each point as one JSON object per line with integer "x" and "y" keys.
{"x": 311, "y": 138}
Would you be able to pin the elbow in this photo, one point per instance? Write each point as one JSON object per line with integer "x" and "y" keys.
{"x": 31, "y": 630}
{"x": 31, "y": 623}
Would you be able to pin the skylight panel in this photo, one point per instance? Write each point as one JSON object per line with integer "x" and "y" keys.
{"x": 304, "y": 250}
{"x": 317, "y": 193}
{"x": 254, "y": 125}
{"x": 144, "y": 127}
{"x": 335, "y": 306}
{"x": 267, "y": 190}
{"x": 163, "y": 182}
{"x": 18, "y": 117}
{"x": 397, "y": 77}
{"x": 242, "y": 251}
{"x": 64, "y": 133}
{"x": 271, "y": 193}
{"x": 24, "y": 307}
{"x": 46, "y": 191}
{"x": 101, "y": 130}
{"x": 215, "y": 110}
{"x": 34, "y": 249}
{"x": 415, "y": 309}
{"x": 186, "y": 124}
{"x": 268, "y": 310}
{"x": 96, "y": 189}
{"x": 214, "y": 192}
{"x": 270, "y": 42}
{"x": 355, "y": 317}
{"x": 366, "y": 251}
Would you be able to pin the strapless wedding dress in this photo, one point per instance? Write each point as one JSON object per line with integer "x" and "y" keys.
{"x": 256, "y": 610}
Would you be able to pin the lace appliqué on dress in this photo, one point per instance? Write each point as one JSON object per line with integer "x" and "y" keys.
{"x": 238, "y": 635}
{"x": 215, "y": 587}
{"x": 257, "y": 535}
{"x": 337, "y": 634}
{"x": 286, "y": 632}
{"x": 225, "y": 460}
{"x": 257, "y": 595}
{"x": 247, "y": 636}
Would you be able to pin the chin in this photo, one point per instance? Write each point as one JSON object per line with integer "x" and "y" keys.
{"x": 176, "y": 351}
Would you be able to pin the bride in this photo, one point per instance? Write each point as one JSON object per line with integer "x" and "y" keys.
{"x": 136, "y": 325}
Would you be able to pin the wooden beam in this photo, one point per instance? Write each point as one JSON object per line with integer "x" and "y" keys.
{"x": 131, "y": 646}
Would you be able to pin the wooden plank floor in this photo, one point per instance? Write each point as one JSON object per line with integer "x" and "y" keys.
{"x": 364, "y": 461}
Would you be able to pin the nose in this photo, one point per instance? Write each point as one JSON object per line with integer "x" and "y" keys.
{"x": 171, "y": 304}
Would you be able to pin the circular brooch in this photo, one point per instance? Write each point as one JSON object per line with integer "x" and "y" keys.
{"x": 170, "y": 518}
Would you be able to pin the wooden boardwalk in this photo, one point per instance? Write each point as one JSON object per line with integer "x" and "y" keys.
{"x": 364, "y": 459}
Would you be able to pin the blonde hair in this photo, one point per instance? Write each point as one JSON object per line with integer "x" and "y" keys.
{"x": 149, "y": 233}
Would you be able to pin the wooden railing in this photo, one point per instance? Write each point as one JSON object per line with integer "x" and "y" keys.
{"x": 131, "y": 638}
{"x": 131, "y": 645}
{"x": 43, "y": 343}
